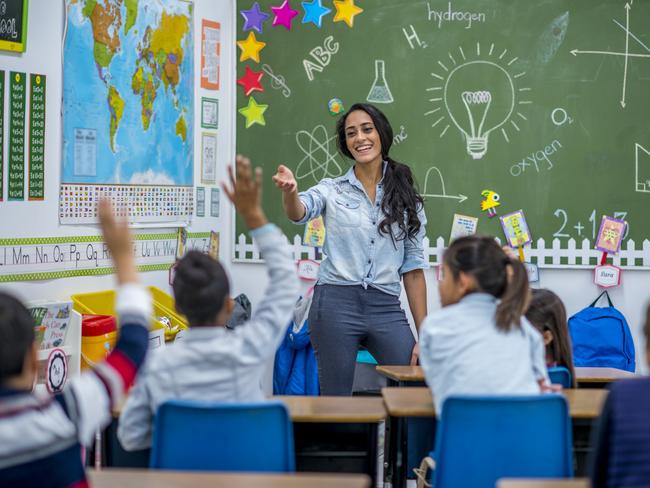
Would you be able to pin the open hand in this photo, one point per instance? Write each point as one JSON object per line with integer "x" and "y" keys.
{"x": 285, "y": 180}
{"x": 245, "y": 192}
{"x": 118, "y": 239}
{"x": 415, "y": 354}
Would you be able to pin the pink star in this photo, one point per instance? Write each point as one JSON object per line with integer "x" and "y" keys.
{"x": 284, "y": 14}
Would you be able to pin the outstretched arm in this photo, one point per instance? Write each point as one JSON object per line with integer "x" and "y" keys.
{"x": 286, "y": 182}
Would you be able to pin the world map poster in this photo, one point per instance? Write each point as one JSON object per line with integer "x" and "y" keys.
{"x": 128, "y": 110}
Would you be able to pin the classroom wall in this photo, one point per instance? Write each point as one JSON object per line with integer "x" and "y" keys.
{"x": 40, "y": 219}
{"x": 34, "y": 219}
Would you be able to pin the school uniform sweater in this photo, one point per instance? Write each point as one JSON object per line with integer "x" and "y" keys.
{"x": 216, "y": 364}
{"x": 41, "y": 435}
{"x": 463, "y": 353}
{"x": 622, "y": 437}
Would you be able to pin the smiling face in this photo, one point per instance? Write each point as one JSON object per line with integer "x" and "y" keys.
{"x": 362, "y": 138}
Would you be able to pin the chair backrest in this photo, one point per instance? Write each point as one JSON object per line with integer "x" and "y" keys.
{"x": 190, "y": 435}
{"x": 482, "y": 439}
{"x": 560, "y": 375}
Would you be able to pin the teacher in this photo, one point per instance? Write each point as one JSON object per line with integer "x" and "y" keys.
{"x": 374, "y": 223}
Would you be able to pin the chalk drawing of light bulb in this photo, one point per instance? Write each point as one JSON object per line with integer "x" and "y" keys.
{"x": 479, "y": 96}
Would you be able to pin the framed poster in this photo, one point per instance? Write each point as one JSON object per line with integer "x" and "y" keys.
{"x": 13, "y": 25}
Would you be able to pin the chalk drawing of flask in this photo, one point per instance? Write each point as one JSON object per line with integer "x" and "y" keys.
{"x": 379, "y": 92}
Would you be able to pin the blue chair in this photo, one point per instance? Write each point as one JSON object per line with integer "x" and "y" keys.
{"x": 560, "y": 375}
{"x": 191, "y": 435}
{"x": 482, "y": 439}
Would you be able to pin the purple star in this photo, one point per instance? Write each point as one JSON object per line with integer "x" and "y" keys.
{"x": 254, "y": 18}
{"x": 284, "y": 14}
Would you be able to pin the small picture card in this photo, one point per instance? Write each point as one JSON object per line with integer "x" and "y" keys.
{"x": 209, "y": 113}
{"x": 181, "y": 242}
{"x": 215, "y": 197}
{"x": 208, "y": 158}
{"x": 314, "y": 233}
{"x": 51, "y": 323}
{"x": 516, "y": 229}
{"x": 462, "y": 226}
{"x": 213, "y": 249}
{"x": 56, "y": 371}
{"x": 607, "y": 276}
{"x": 308, "y": 269}
{"x": 200, "y": 201}
{"x": 533, "y": 272}
{"x": 610, "y": 235}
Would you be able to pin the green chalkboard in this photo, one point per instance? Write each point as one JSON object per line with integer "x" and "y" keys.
{"x": 536, "y": 101}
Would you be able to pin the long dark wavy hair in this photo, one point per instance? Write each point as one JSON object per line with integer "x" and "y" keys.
{"x": 401, "y": 201}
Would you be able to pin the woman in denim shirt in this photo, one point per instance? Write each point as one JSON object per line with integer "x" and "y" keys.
{"x": 375, "y": 222}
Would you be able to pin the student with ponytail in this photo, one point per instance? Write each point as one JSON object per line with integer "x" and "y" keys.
{"x": 480, "y": 343}
{"x": 374, "y": 222}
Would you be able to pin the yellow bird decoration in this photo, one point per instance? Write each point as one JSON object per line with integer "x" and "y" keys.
{"x": 490, "y": 203}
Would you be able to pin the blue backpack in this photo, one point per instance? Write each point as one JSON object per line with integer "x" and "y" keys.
{"x": 601, "y": 337}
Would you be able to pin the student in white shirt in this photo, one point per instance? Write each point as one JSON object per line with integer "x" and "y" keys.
{"x": 213, "y": 363}
{"x": 480, "y": 343}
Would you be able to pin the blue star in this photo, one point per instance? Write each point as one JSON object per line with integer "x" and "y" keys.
{"x": 314, "y": 12}
{"x": 254, "y": 18}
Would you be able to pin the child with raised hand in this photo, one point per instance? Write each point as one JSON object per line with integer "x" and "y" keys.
{"x": 547, "y": 313}
{"x": 41, "y": 436}
{"x": 213, "y": 363}
{"x": 480, "y": 343}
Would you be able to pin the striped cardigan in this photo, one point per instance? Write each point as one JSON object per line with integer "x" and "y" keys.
{"x": 622, "y": 437}
{"x": 41, "y": 435}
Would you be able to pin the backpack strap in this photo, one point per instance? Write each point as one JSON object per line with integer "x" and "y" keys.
{"x": 609, "y": 300}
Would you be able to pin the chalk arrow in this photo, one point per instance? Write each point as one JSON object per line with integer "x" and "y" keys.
{"x": 627, "y": 50}
{"x": 628, "y": 55}
{"x": 460, "y": 197}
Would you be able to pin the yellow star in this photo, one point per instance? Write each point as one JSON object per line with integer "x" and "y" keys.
{"x": 345, "y": 11}
{"x": 250, "y": 48}
{"x": 254, "y": 113}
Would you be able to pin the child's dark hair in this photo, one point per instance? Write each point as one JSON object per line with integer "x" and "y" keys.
{"x": 495, "y": 273}
{"x": 400, "y": 196}
{"x": 201, "y": 287}
{"x": 16, "y": 336}
{"x": 547, "y": 313}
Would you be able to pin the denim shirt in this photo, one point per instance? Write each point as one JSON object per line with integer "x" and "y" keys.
{"x": 356, "y": 253}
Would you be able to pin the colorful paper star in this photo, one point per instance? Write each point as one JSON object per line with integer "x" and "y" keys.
{"x": 345, "y": 11}
{"x": 254, "y": 112}
{"x": 250, "y": 48}
{"x": 251, "y": 81}
{"x": 284, "y": 14}
{"x": 314, "y": 12}
{"x": 254, "y": 18}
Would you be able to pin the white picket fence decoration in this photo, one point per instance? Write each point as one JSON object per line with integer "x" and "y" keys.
{"x": 543, "y": 256}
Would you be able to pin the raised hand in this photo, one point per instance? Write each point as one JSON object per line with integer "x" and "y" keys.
{"x": 285, "y": 180}
{"x": 118, "y": 239}
{"x": 245, "y": 192}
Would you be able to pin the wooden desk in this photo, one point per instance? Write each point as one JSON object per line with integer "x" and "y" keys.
{"x": 539, "y": 483}
{"x": 402, "y": 375}
{"x": 336, "y": 434}
{"x": 585, "y": 377}
{"x": 600, "y": 377}
{"x": 140, "y": 478}
{"x": 403, "y": 403}
{"x": 335, "y": 409}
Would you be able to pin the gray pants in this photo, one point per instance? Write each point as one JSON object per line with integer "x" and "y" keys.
{"x": 343, "y": 317}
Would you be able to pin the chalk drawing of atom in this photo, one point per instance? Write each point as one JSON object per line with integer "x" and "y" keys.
{"x": 320, "y": 155}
